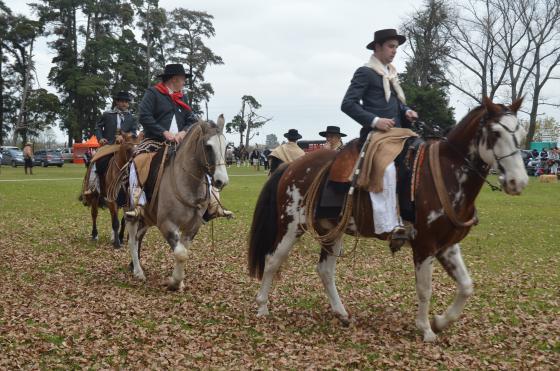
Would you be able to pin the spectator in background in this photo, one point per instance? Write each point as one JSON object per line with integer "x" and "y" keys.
{"x": 255, "y": 158}
{"x": 535, "y": 153}
{"x": 554, "y": 157}
{"x": 28, "y": 158}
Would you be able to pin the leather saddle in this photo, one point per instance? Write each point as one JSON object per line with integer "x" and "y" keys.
{"x": 336, "y": 186}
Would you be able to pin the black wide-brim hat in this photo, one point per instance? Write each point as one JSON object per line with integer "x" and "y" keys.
{"x": 292, "y": 134}
{"x": 332, "y": 130}
{"x": 176, "y": 69}
{"x": 123, "y": 95}
{"x": 381, "y": 36}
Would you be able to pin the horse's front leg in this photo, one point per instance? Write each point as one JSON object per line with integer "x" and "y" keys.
{"x": 94, "y": 212}
{"x": 179, "y": 246}
{"x": 452, "y": 261}
{"x": 424, "y": 292}
{"x": 327, "y": 271}
{"x": 132, "y": 227}
{"x": 115, "y": 225}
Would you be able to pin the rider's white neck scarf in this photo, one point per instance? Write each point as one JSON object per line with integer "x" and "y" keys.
{"x": 389, "y": 74}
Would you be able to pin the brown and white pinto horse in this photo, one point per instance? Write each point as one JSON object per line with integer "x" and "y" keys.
{"x": 487, "y": 136}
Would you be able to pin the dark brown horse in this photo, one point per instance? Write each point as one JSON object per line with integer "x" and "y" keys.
{"x": 487, "y": 136}
{"x": 95, "y": 200}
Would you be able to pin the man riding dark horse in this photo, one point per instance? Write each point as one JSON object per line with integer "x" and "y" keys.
{"x": 109, "y": 130}
{"x": 166, "y": 117}
{"x": 376, "y": 100}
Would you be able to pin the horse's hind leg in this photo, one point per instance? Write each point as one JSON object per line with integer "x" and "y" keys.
{"x": 121, "y": 233}
{"x": 424, "y": 291}
{"x": 132, "y": 227}
{"x": 326, "y": 268}
{"x": 272, "y": 264}
{"x": 452, "y": 261}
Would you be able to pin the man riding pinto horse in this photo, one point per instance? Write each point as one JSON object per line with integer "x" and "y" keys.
{"x": 166, "y": 117}
{"x": 376, "y": 100}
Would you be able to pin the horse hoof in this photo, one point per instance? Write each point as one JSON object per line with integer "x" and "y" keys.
{"x": 94, "y": 238}
{"x": 262, "y": 312}
{"x": 131, "y": 267}
{"x": 429, "y": 336}
{"x": 438, "y": 323}
{"x": 173, "y": 285}
{"x": 116, "y": 245}
{"x": 140, "y": 276}
{"x": 344, "y": 321}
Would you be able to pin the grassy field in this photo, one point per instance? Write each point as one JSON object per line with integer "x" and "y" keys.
{"x": 66, "y": 302}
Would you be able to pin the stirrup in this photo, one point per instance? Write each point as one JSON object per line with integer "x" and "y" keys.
{"x": 134, "y": 213}
{"x": 398, "y": 238}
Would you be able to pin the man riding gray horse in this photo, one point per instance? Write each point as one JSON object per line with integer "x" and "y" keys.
{"x": 166, "y": 117}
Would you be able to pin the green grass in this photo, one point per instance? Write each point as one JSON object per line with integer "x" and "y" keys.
{"x": 58, "y": 282}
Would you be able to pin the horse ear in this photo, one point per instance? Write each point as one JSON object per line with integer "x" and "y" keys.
{"x": 221, "y": 123}
{"x": 516, "y": 105}
{"x": 493, "y": 109}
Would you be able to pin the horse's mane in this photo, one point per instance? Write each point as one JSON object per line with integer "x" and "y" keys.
{"x": 195, "y": 134}
{"x": 465, "y": 129}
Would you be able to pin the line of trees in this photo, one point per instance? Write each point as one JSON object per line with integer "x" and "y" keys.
{"x": 100, "y": 47}
{"x": 503, "y": 49}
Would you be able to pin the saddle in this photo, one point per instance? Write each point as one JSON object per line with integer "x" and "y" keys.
{"x": 149, "y": 169}
{"x": 335, "y": 188}
{"x": 105, "y": 151}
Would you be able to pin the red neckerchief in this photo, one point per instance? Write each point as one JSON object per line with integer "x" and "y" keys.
{"x": 175, "y": 97}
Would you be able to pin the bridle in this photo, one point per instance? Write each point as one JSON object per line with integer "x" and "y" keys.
{"x": 469, "y": 162}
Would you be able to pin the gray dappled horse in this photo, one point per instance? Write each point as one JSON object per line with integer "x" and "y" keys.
{"x": 183, "y": 196}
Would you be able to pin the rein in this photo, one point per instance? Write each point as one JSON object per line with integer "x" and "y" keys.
{"x": 441, "y": 190}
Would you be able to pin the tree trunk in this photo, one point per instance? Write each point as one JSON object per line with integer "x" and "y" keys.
{"x": 20, "y": 125}
{"x": 241, "y": 130}
{"x": 1, "y": 98}
{"x": 148, "y": 47}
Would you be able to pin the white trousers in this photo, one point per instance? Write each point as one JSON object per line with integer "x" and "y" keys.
{"x": 133, "y": 185}
{"x": 93, "y": 181}
{"x": 385, "y": 212}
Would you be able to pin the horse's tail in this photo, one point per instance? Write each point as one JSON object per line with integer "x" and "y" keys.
{"x": 264, "y": 228}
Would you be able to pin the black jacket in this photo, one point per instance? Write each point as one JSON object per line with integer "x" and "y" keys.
{"x": 365, "y": 100}
{"x": 156, "y": 112}
{"x": 106, "y": 126}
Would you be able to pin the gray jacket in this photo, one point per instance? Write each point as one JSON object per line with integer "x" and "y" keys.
{"x": 365, "y": 100}
{"x": 106, "y": 126}
{"x": 156, "y": 111}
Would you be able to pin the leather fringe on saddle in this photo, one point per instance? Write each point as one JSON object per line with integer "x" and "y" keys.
{"x": 311, "y": 198}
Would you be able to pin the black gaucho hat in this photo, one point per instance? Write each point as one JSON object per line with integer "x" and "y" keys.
{"x": 174, "y": 70}
{"x": 332, "y": 130}
{"x": 292, "y": 134}
{"x": 381, "y": 36}
{"x": 123, "y": 95}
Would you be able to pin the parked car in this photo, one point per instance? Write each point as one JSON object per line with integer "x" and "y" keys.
{"x": 67, "y": 154}
{"x": 48, "y": 157}
{"x": 12, "y": 156}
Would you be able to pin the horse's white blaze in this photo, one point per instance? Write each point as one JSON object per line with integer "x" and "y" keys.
{"x": 275, "y": 260}
{"x": 327, "y": 271}
{"x": 514, "y": 178}
{"x": 434, "y": 215}
{"x": 218, "y": 144}
{"x": 424, "y": 292}
{"x": 452, "y": 257}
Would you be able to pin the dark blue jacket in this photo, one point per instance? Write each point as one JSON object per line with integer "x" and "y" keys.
{"x": 106, "y": 126}
{"x": 365, "y": 100}
{"x": 156, "y": 111}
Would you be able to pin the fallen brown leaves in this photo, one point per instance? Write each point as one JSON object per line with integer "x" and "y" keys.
{"x": 66, "y": 303}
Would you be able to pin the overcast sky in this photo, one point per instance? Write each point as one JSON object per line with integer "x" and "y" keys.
{"x": 296, "y": 57}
